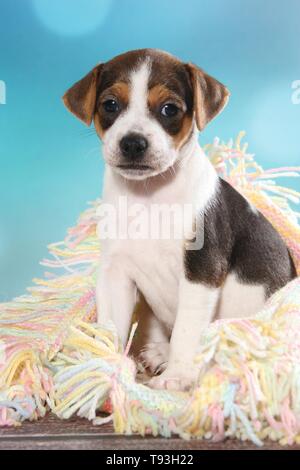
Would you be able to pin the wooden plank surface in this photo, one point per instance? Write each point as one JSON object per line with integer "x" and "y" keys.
{"x": 75, "y": 433}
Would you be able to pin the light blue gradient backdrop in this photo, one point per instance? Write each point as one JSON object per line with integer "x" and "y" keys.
{"x": 50, "y": 165}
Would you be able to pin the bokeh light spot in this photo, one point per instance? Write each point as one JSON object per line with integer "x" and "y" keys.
{"x": 72, "y": 17}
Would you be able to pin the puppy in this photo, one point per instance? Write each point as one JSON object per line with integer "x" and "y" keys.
{"x": 147, "y": 107}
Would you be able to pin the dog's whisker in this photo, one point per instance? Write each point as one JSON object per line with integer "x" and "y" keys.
{"x": 171, "y": 171}
{"x": 146, "y": 186}
{"x": 88, "y": 131}
{"x": 163, "y": 176}
{"x": 91, "y": 151}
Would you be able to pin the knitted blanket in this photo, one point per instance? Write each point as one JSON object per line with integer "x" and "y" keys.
{"x": 54, "y": 358}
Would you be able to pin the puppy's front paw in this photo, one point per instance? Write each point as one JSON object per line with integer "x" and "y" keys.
{"x": 177, "y": 380}
{"x": 155, "y": 356}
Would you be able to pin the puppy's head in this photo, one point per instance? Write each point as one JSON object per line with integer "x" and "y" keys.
{"x": 145, "y": 105}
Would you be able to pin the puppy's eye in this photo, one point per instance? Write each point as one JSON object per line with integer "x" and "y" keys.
{"x": 169, "y": 110}
{"x": 110, "y": 106}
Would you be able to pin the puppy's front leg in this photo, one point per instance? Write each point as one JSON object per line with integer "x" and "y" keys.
{"x": 116, "y": 296}
{"x": 196, "y": 309}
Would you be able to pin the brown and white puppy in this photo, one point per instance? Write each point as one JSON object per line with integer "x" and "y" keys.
{"x": 147, "y": 107}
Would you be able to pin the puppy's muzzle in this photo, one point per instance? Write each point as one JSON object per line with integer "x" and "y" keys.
{"x": 133, "y": 147}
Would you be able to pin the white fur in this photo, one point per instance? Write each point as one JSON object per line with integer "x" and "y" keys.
{"x": 196, "y": 309}
{"x": 240, "y": 300}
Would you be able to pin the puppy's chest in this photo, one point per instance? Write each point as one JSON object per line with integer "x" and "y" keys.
{"x": 155, "y": 266}
{"x": 151, "y": 246}
{"x": 151, "y": 252}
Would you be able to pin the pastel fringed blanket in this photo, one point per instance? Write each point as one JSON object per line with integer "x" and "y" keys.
{"x": 52, "y": 357}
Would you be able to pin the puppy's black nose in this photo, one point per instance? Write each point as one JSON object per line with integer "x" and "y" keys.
{"x": 133, "y": 146}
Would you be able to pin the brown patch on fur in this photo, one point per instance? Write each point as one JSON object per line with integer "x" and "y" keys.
{"x": 119, "y": 68}
{"x": 170, "y": 81}
{"x": 184, "y": 134}
{"x": 120, "y": 90}
{"x": 210, "y": 96}
{"x": 80, "y": 99}
{"x": 160, "y": 94}
{"x": 99, "y": 129}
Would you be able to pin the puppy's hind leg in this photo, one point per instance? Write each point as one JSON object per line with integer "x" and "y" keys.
{"x": 151, "y": 344}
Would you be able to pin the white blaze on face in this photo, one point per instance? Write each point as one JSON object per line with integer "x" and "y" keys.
{"x": 161, "y": 152}
{"x": 138, "y": 109}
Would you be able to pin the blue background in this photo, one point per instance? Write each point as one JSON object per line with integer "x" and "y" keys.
{"x": 50, "y": 164}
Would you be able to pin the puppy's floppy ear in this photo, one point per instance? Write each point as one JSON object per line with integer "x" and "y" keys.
{"x": 80, "y": 99}
{"x": 210, "y": 96}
